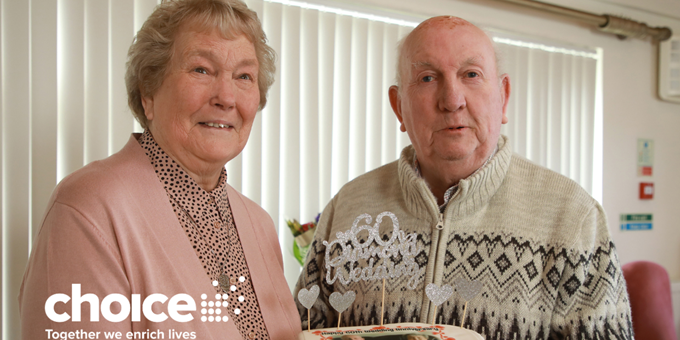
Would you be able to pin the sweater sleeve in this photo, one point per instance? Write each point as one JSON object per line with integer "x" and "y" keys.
{"x": 72, "y": 253}
{"x": 592, "y": 301}
{"x": 321, "y": 315}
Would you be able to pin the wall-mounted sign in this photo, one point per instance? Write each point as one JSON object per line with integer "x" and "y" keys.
{"x": 645, "y": 157}
{"x": 636, "y": 221}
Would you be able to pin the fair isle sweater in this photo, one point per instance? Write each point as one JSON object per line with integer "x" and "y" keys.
{"x": 537, "y": 242}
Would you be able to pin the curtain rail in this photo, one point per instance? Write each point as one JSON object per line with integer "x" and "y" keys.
{"x": 622, "y": 27}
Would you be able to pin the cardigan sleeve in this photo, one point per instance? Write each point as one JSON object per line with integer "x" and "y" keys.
{"x": 71, "y": 253}
{"x": 592, "y": 301}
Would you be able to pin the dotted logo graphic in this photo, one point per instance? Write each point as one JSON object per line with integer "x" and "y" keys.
{"x": 212, "y": 310}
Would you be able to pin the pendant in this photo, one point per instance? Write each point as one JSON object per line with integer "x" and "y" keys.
{"x": 224, "y": 282}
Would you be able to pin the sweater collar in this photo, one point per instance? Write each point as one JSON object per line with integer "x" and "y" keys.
{"x": 473, "y": 192}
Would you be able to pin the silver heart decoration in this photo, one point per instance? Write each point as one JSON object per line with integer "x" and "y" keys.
{"x": 340, "y": 302}
{"x": 438, "y": 295}
{"x": 308, "y": 297}
{"x": 468, "y": 289}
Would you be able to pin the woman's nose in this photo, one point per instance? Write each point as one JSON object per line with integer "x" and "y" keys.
{"x": 224, "y": 93}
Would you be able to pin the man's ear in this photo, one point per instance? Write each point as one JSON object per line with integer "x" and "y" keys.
{"x": 147, "y": 103}
{"x": 395, "y": 102}
{"x": 505, "y": 95}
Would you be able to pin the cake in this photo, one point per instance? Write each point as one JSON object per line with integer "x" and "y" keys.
{"x": 418, "y": 331}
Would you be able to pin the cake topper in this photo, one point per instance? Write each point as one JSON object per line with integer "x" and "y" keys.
{"x": 341, "y": 302}
{"x": 467, "y": 290}
{"x": 373, "y": 249}
{"x": 437, "y": 295}
{"x": 307, "y": 299}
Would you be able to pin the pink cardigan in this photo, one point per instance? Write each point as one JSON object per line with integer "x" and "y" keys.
{"x": 110, "y": 227}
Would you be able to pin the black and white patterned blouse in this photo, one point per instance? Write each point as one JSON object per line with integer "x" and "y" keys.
{"x": 208, "y": 222}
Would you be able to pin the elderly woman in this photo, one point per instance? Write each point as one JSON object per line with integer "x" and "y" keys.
{"x": 152, "y": 239}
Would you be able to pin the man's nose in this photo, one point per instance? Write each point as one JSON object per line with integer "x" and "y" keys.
{"x": 224, "y": 92}
{"x": 451, "y": 96}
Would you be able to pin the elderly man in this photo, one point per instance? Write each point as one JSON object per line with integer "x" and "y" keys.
{"x": 527, "y": 250}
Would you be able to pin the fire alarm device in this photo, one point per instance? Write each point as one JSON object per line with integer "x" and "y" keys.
{"x": 646, "y": 191}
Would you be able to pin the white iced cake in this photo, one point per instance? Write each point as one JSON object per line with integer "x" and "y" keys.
{"x": 401, "y": 331}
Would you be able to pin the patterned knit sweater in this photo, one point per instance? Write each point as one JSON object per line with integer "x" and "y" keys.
{"x": 535, "y": 240}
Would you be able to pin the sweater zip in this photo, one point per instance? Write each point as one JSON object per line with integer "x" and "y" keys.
{"x": 440, "y": 224}
{"x": 438, "y": 229}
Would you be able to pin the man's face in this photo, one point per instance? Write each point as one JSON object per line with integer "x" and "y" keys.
{"x": 451, "y": 101}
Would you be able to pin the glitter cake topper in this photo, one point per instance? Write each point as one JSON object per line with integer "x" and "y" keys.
{"x": 468, "y": 289}
{"x": 438, "y": 295}
{"x": 373, "y": 249}
{"x": 308, "y": 297}
{"x": 341, "y": 302}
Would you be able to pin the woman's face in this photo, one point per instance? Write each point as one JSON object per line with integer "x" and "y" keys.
{"x": 203, "y": 111}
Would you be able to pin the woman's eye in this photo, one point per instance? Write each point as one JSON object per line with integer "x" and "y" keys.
{"x": 427, "y": 79}
{"x": 472, "y": 74}
{"x": 246, "y": 76}
{"x": 201, "y": 70}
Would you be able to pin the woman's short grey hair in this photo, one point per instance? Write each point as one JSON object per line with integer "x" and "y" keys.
{"x": 151, "y": 51}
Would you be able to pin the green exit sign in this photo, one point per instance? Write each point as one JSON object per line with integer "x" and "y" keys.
{"x": 636, "y": 221}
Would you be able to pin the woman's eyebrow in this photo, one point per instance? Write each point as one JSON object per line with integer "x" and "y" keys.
{"x": 208, "y": 54}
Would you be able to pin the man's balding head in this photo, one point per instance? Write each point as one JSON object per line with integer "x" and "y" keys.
{"x": 440, "y": 22}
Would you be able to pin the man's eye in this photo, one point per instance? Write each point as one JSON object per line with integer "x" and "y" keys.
{"x": 246, "y": 76}
{"x": 427, "y": 79}
{"x": 201, "y": 70}
{"x": 472, "y": 74}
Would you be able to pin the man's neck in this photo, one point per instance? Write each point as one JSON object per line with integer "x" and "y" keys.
{"x": 441, "y": 176}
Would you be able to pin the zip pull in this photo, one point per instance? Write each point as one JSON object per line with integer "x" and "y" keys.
{"x": 440, "y": 224}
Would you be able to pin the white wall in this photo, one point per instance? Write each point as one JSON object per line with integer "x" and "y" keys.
{"x": 631, "y": 108}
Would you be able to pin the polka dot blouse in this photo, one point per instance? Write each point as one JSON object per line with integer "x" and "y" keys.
{"x": 208, "y": 222}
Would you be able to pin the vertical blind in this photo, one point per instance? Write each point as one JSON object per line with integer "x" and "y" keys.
{"x": 63, "y": 104}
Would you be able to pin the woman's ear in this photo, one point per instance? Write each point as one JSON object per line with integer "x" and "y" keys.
{"x": 147, "y": 103}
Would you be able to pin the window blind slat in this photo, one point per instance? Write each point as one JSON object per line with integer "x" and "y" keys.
{"x": 289, "y": 169}
{"x": 16, "y": 134}
{"x": 374, "y": 91}
{"x": 575, "y": 123}
{"x": 587, "y": 123}
{"x": 341, "y": 100}
{"x": 271, "y": 21}
{"x": 121, "y": 33}
{"x": 309, "y": 116}
{"x": 357, "y": 91}
{"x": 390, "y": 124}
{"x": 95, "y": 117}
{"x": 43, "y": 107}
{"x": 70, "y": 91}
{"x": 402, "y": 138}
{"x": 326, "y": 80}
{"x": 553, "y": 105}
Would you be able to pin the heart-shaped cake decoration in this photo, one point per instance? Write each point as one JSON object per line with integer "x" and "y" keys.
{"x": 468, "y": 289}
{"x": 308, "y": 297}
{"x": 341, "y": 302}
{"x": 438, "y": 295}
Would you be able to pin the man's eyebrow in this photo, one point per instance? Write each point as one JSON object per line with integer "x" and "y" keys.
{"x": 476, "y": 60}
{"x": 418, "y": 64}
